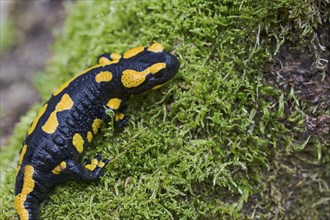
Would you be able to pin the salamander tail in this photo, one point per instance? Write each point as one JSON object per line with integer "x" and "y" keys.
{"x": 28, "y": 194}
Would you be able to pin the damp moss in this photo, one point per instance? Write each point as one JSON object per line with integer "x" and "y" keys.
{"x": 203, "y": 145}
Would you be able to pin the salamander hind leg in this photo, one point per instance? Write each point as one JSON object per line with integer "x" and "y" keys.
{"x": 96, "y": 163}
{"x": 92, "y": 170}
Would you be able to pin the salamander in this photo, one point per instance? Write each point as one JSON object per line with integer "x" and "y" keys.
{"x": 66, "y": 124}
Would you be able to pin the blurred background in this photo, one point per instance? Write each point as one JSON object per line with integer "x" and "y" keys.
{"x": 27, "y": 32}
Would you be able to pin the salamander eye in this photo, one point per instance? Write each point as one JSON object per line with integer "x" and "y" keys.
{"x": 159, "y": 74}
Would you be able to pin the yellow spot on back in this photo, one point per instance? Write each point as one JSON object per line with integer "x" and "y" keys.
{"x": 28, "y": 186}
{"x": 58, "y": 169}
{"x": 35, "y": 121}
{"x": 156, "y": 47}
{"x": 133, "y": 52}
{"x": 51, "y": 124}
{"x": 114, "y": 103}
{"x": 96, "y": 125}
{"x": 157, "y": 67}
{"x": 132, "y": 78}
{"x": 78, "y": 142}
{"x": 115, "y": 56}
{"x": 89, "y": 136}
{"x": 21, "y": 156}
{"x": 59, "y": 90}
{"x": 105, "y": 76}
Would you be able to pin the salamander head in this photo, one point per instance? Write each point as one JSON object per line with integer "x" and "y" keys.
{"x": 148, "y": 68}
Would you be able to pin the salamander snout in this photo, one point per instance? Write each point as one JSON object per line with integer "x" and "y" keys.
{"x": 164, "y": 71}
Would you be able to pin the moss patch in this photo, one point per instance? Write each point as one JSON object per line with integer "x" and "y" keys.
{"x": 198, "y": 147}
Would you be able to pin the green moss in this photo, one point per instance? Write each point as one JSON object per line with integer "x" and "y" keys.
{"x": 7, "y": 35}
{"x": 198, "y": 147}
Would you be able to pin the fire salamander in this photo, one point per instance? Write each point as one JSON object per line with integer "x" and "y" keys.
{"x": 68, "y": 121}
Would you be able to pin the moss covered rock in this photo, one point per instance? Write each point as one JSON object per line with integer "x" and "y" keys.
{"x": 204, "y": 145}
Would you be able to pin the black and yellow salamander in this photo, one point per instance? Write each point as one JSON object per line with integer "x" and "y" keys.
{"x": 68, "y": 121}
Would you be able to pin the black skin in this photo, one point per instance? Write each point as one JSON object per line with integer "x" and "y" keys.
{"x": 45, "y": 151}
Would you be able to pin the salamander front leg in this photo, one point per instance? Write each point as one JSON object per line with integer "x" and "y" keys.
{"x": 117, "y": 105}
{"x": 121, "y": 120}
{"x": 108, "y": 58}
